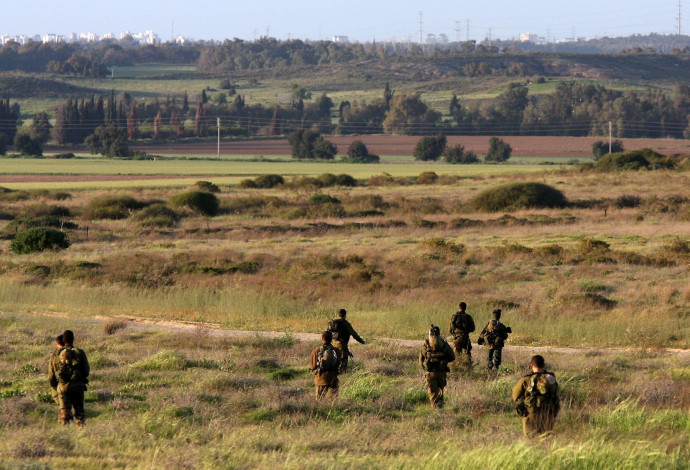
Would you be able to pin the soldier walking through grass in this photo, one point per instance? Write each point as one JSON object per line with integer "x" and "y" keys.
{"x": 434, "y": 358}
{"x": 325, "y": 362}
{"x": 70, "y": 370}
{"x": 52, "y": 379}
{"x": 461, "y": 325}
{"x": 536, "y": 399}
{"x": 494, "y": 336}
{"x": 342, "y": 331}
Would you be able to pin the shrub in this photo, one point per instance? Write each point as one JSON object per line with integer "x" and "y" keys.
{"x": 384, "y": 179}
{"x": 427, "y": 177}
{"x": 358, "y": 153}
{"x": 430, "y": 148}
{"x": 27, "y": 146}
{"x": 323, "y": 199}
{"x": 457, "y": 154}
{"x": 634, "y": 160}
{"x": 162, "y": 360}
{"x": 601, "y": 148}
{"x": 519, "y": 196}
{"x": 247, "y": 184}
{"x": 345, "y": 180}
{"x": 62, "y": 156}
{"x": 40, "y": 210}
{"x": 111, "y": 207}
{"x": 311, "y": 145}
{"x": 157, "y": 215}
{"x": 206, "y": 186}
{"x": 39, "y": 239}
{"x": 628, "y": 200}
{"x": 268, "y": 181}
{"x": 499, "y": 150}
{"x": 198, "y": 201}
{"x": 327, "y": 179}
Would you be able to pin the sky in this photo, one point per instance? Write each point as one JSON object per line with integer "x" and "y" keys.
{"x": 360, "y": 20}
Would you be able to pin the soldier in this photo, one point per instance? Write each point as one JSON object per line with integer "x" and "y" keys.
{"x": 536, "y": 399}
{"x": 70, "y": 370}
{"x": 342, "y": 330}
{"x": 52, "y": 379}
{"x": 493, "y": 336}
{"x": 461, "y": 325}
{"x": 325, "y": 361}
{"x": 434, "y": 358}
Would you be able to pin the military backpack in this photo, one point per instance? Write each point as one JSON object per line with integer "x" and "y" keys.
{"x": 435, "y": 359}
{"x": 463, "y": 322}
{"x": 338, "y": 330}
{"x": 542, "y": 392}
{"x": 327, "y": 359}
{"x": 70, "y": 366}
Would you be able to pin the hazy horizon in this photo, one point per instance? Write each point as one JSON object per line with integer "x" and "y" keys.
{"x": 359, "y": 20}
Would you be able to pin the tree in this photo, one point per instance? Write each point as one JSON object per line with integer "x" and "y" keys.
{"x": 601, "y": 148}
{"x": 457, "y": 154}
{"x": 499, "y": 150}
{"x": 3, "y": 144}
{"x": 40, "y": 127}
{"x": 359, "y": 153}
{"x": 27, "y": 146}
{"x": 132, "y": 128}
{"x": 9, "y": 114}
{"x": 157, "y": 121}
{"x": 409, "y": 114}
{"x": 108, "y": 141}
{"x": 430, "y": 148}
{"x": 388, "y": 95}
{"x": 311, "y": 145}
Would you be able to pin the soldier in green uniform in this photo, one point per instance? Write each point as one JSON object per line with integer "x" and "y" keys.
{"x": 52, "y": 379}
{"x": 434, "y": 358}
{"x": 493, "y": 336}
{"x": 70, "y": 369}
{"x": 461, "y": 325}
{"x": 536, "y": 399}
{"x": 342, "y": 331}
{"x": 324, "y": 362}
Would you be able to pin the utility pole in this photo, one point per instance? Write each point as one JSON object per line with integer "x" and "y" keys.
{"x": 679, "y": 11}
{"x": 457, "y": 29}
{"x": 218, "y": 124}
{"x": 610, "y": 134}
{"x": 420, "y": 27}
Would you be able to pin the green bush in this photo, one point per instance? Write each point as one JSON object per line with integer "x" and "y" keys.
{"x": 157, "y": 215}
{"x": 601, "y": 148}
{"x": 430, "y": 148}
{"x": 345, "y": 180}
{"x": 39, "y": 239}
{"x": 457, "y": 154}
{"x": 111, "y": 207}
{"x": 263, "y": 181}
{"x": 323, "y": 199}
{"x": 162, "y": 360}
{"x": 206, "y": 186}
{"x": 358, "y": 153}
{"x": 519, "y": 196}
{"x": 198, "y": 201}
{"x": 499, "y": 150}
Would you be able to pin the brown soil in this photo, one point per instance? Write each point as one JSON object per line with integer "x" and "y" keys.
{"x": 523, "y": 146}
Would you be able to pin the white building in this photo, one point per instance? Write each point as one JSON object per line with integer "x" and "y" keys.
{"x": 52, "y": 38}
{"x": 533, "y": 38}
{"x": 341, "y": 39}
{"x": 436, "y": 39}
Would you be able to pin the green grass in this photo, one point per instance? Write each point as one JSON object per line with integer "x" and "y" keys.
{"x": 234, "y": 414}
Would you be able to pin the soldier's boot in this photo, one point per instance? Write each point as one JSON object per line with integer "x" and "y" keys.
{"x": 79, "y": 421}
{"x": 64, "y": 417}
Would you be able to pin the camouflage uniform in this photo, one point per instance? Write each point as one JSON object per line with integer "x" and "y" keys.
{"x": 493, "y": 336}
{"x": 52, "y": 378}
{"x": 536, "y": 420}
{"x": 71, "y": 383}
{"x": 341, "y": 338}
{"x": 436, "y": 370}
{"x": 461, "y": 325}
{"x": 326, "y": 381}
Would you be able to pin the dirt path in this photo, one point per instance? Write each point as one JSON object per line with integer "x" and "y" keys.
{"x": 143, "y": 324}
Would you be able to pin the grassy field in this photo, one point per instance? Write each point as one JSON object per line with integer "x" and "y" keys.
{"x": 161, "y": 399}
{"x": 608, "y": 270}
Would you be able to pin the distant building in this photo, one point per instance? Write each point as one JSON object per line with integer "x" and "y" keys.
{"x": 52, "y": 38}
{"x": 533, "y": 38}
{"x": 436, "y": 39}
{"x": 341, "y": 39}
